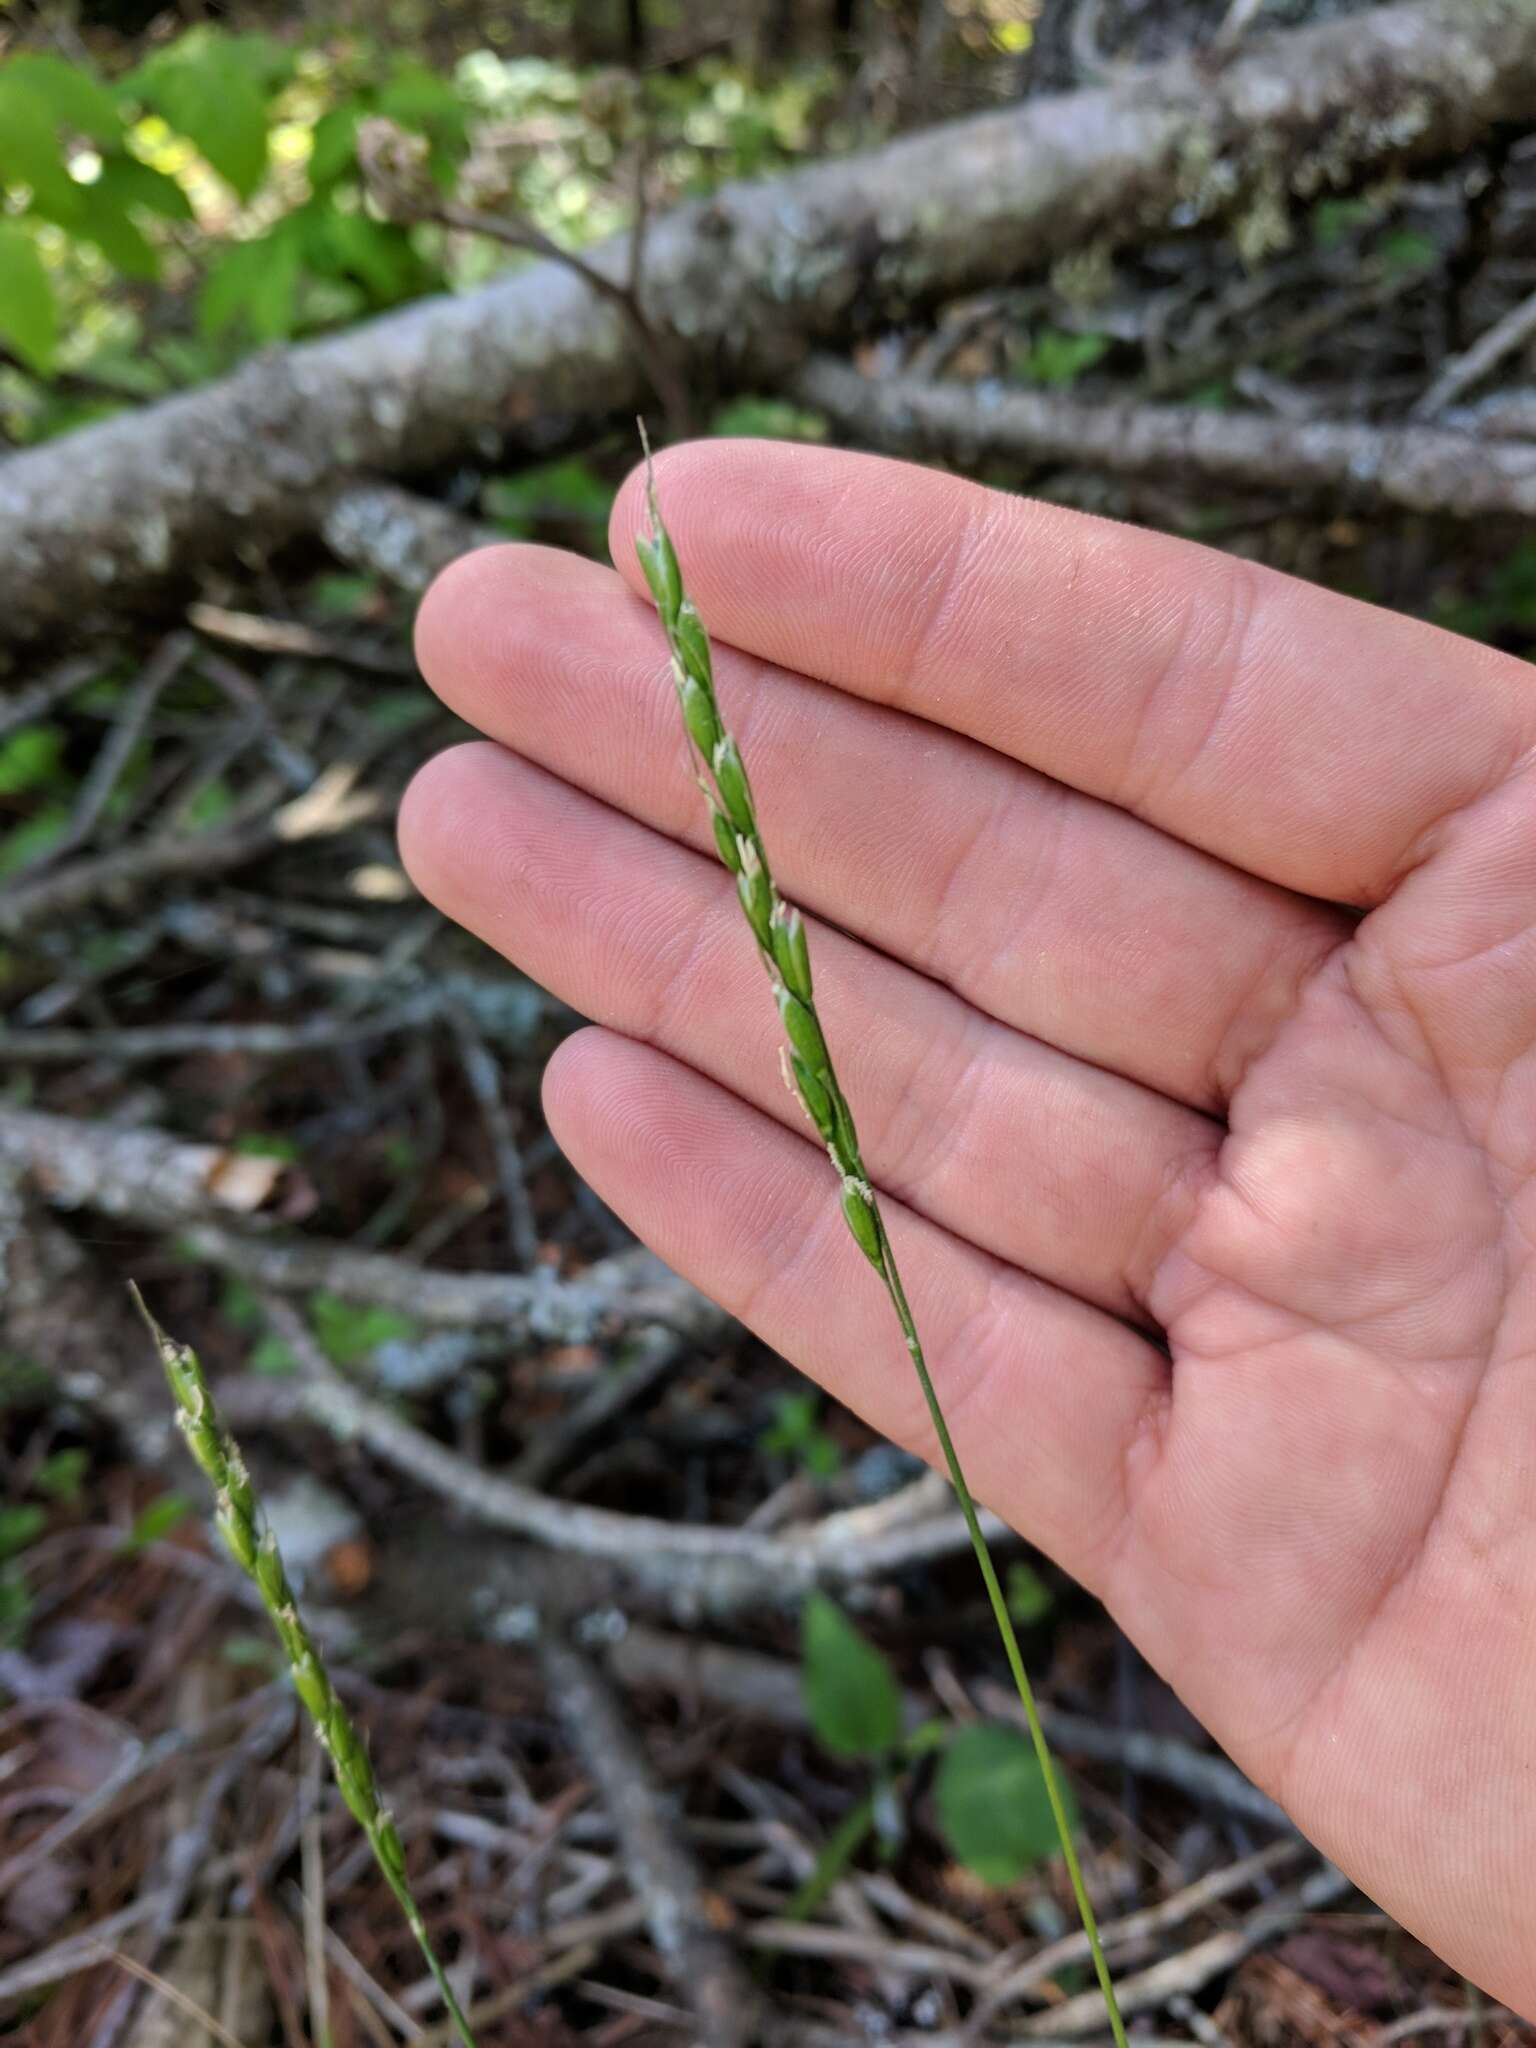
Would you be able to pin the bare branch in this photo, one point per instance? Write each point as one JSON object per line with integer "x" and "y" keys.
{"x": 1422, "y": 469}
{"x": 100, "y": 518}
{"x": 684, "y": 1922}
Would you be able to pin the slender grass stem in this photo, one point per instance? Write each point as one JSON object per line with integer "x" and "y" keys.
{"x": 251, "y": 1543}
{"x": 809, "y": 1072}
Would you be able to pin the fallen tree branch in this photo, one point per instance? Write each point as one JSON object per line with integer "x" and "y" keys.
{"x": 696, "y": 1569}
{"x": 683, "y": 1919}
{"x": 630, "y": 1287}
{"x": 141, "y": 1175}
{"x": 743, "y": 281}
{"x": 384, "y": 531}
{"x": 1419, "y": 469}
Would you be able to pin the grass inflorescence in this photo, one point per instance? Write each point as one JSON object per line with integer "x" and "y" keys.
{"x": 780, "y": 933}
{"x": 253, "y": 1546}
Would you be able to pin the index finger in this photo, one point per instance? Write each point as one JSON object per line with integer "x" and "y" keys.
{"x": 1303, "y": 736}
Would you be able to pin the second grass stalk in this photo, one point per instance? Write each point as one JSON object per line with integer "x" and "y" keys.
{"x": 781, "y": 940}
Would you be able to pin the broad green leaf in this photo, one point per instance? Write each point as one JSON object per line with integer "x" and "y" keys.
{"x": 72, "y": 96}
{"x": 993, "y": 1805}
{"x": 333, "y": 145}
{"x": 850, "y": 1689}
{"x": 137, "y": 184}
{"x": 104, "y": 220}
{"x": 377, "y": 254}
{"x": 253, "y": 285}
{"x": 418, "y": 98}
{"x": 29, "y": 317}
{"x": 207, "y": 93}
{"x": 31, "y": 153}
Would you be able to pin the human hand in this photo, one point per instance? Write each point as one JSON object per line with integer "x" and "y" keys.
{"x": 1071, "y": 809}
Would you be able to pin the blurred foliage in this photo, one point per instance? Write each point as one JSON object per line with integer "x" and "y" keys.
{"x": 796, "y": 1433}
{"x": 167, "y": 207}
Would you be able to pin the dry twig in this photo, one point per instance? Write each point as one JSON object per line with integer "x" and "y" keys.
{"x": 684, "y": 1924}
{"x": 699, "y": 1570}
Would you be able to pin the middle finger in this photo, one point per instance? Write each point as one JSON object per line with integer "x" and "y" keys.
{"x": 1048, "y": 910}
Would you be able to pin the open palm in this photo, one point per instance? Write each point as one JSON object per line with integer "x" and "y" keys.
{"x": 1216, "y": 1199}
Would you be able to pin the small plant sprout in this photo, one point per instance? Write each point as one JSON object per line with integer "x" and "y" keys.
{"x": 781, "y": 940}
{"x": 253, "y": 1546}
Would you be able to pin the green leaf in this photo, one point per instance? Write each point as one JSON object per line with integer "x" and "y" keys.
{"x": 418, "y": 98}
{"x": 380, "y": 256}
{"x": 30, "y": 839}
{"x": 333, "y": 145}
{"x": 271, "y": 1358}
{"x": 104, "y": 220}
{"x": 163, "y": 1514}
{"x": 1403, "y": 251}
{"x": 20, "y": 1526}
{"x": 209, "y": 806}
{"x": 29, "y": 318}
{"x": 61, "y": 1476}
{"x": 850, "y": 1688}
{"x": 208, "y": 92}
{"x": 15, "y": 1607}
{"x": 1057, "y": 360}
{"x": 141, "y": 185}
{"x": 569, "y": 491}
{"x": 31, "y": 153}
{"x": 1333, "y": 221}
{"x": 72, "y": 96}
{"x": 348, "y": 1330}
{"x": 253, "y": 285}
{"x": 768, "y": 419}
{"x": 29, "y": 758}
{"x": 993, "y": 1805}
{"x": 1029, "y": 1598}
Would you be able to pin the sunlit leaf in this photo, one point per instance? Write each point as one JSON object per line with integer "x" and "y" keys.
{"x": 31, "y": 152}
{"x": 207, "y": 92}
{"x": 104, "y": 220}
{"x": 72, "y": 96}
{"x": 29, "y": 316}
{"x": 140, "y": 185}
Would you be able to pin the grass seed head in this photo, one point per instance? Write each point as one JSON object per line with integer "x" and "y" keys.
{"x": 859, "y": 1210}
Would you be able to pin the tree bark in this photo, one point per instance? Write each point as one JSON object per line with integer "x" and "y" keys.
{"x": 1416, "y": 469}
{"x": 743, "y": 282}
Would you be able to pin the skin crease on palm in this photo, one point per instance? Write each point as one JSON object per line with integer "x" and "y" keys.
{"x": 1174, "y": 927}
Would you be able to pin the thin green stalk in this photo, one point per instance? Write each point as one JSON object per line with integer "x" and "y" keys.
{"x": 808, "y": 1069}
{"x": 252, "y": 1545}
